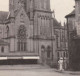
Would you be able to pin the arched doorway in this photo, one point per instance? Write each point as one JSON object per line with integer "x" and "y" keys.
{"x": 22, "y": 38}
{"x": 48, "y": 52}
{"x": 48, "y": 55}
{"x": 43, "y": 54}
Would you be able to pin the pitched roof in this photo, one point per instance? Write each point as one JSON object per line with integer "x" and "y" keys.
{"x": 3, "y": 16}
{"x": 56, "y": 24}
{"x": 71, "y": 14}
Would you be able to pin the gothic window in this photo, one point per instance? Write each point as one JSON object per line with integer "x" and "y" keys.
{"x": 43, "y": 53}
{"x": 44, "y": 4}
{"x": 62, "y": 35}
{"x": 7, "y": 29}
{"x": 64, "y": 54}
{"x": 2, "y": 49}
{"x": 0, "y": 30}
{"x": 22, "y": 38}
{"x": 57, "y": 41}
{"x": 22, "y": 32}
{"x": 43, "y": 48}
{"x": 58, "y": 54}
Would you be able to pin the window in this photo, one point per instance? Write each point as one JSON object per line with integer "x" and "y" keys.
{"x": 22, "y": 38}
{"x": 67, "y": 54}
{"x": 43, "y": 48}
{"x": 58, "y": 54}
{"x": 45, "y": 4}
{"x": 2, "y": 49}
{"x": 64, "y": 54}
{"x": 0, "y": 30}
{"x": 7, "y": 29}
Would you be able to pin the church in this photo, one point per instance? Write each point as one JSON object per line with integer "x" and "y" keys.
{"x": 27, "y": 33}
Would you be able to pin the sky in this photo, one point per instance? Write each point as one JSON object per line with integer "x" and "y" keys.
{"x": 61, "y": 7}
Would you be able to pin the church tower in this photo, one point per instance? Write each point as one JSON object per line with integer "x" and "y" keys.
{"x": 29, "y": 5}
{"x": 42, "y": 4}
{"x": 15, "y": 5}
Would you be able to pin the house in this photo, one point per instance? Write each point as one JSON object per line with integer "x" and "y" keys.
{"x": 61, "y": 42}
{"x": 73, "y": 28}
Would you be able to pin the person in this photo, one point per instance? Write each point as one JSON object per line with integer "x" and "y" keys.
{"x": 60, "y": 62}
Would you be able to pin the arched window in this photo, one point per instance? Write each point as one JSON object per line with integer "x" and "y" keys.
{"x": 7, "y": 29}
{"x": 22, "y": 32}
{"x": 0, "y": 30}
{"x": 2, "y": 49}
{"x": 64, "y": 54}
{"x": 58, "y": 54}
{"x": 22, "y": 38}
{"x": 43, "y": 48}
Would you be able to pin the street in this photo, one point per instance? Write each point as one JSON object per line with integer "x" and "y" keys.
{"x": 29, "y": 70}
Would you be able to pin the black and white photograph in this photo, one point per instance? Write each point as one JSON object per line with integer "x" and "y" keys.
{"x": 39, "y": 37}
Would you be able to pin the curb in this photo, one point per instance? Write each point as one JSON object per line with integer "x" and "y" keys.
{"x": 68, "y": 72}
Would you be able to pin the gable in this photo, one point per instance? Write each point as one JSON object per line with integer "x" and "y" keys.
{"x": 3, "y": 16}
{"x": 22, "y": 17}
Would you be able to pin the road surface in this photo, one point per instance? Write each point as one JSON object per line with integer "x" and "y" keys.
{"x": 29, "y": 70}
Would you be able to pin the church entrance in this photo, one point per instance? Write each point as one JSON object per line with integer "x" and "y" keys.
{"x": 46, "y": 55}
{"x": 49, "y": 55}
{"x": 43, "y": 54}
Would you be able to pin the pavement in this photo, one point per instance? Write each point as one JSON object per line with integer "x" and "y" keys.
{"x": 33, "y": 70}
{"x": 68, "y": 72}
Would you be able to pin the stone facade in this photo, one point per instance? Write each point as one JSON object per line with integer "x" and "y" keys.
{"x": 73, "y": 28}
{"x": 28, "y": 31}
{"x": 61, "y": 43}
{"x": 77, "y": 17}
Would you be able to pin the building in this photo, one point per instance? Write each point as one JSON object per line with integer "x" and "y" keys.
{"x": 71, "y": 31}
{"x": 73, "y": 28}
{"x": 30, "y": 35}
{"x": 27, "y": 33}
{"x": 61, "y": 42}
